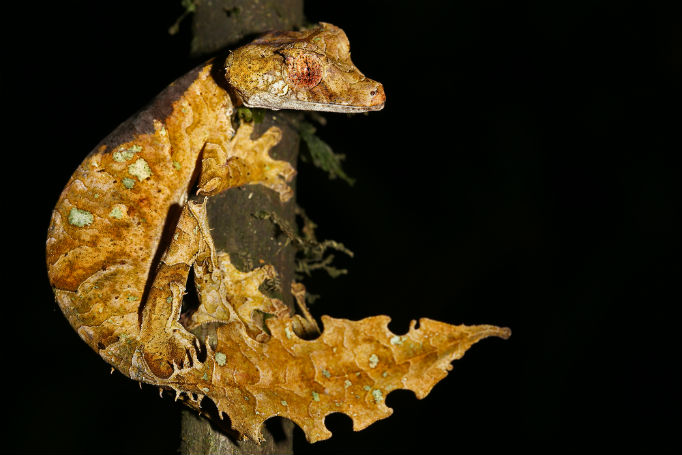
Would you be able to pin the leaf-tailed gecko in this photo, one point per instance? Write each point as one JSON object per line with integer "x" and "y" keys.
{"x": 125, "y": 235}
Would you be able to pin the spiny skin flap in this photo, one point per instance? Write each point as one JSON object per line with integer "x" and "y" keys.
{"x": 350, "y": 369}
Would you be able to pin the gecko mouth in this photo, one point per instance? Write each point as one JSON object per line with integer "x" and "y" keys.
{"x": 320, "y": 107}
{"x": 333, "y": 107}
{"x": 374, "y": 101}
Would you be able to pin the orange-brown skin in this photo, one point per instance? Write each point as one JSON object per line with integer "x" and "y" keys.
{"x": 124, "y": 238}
{"x": 99, "y": 269}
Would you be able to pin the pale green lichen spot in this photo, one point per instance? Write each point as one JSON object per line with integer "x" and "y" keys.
{"x": 288, "y": 333}
{"x": 117, "y": 212}
{"x": 122, "y": 155}
{"x": 205, "y": 389}
{"x": 326, "y": 373}
{"x": 205, "y": 377}
{"x": 284, "y": 403}
{"x": 347, "y": 384}
{"x": 177, "y": 165}
{"x": 373, "y": 361}
{"x": 367, "y": 388}
{"x": 376, "y": 393}
{"x": 396, "y": 340}
{"x": 80, "y": 218}
{"x": 119, "y": 157}
{"x": 316, "y": 396}
{"x": 126, "y": 154}
{"x": 128, "y": 182}
{"x": 140, "y": 169}
{"x": 220, "y": 358}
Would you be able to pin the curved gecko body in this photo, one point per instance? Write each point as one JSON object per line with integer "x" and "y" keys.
{"x": 107, "y": 226}
{"x": 107, "y": 230}
{"x": 125, "y": 235}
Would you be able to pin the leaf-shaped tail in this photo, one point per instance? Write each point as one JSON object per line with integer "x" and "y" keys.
{"x": 350, "y": 369}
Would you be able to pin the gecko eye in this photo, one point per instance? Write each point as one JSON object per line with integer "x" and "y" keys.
{"x": 304, "y": 70}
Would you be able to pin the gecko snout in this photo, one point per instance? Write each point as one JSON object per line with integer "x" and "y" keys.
{"x": 378, "y": 98}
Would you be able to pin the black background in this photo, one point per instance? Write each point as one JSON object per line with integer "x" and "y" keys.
{"x": 525, "y": 173}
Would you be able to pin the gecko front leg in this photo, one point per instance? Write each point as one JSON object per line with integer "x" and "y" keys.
{"x": 244, "y": 161}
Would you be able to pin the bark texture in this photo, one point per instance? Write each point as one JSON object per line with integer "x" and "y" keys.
{"x": 199, "y": 436}
{"x": 250, "y": 241}
{"x": 223, "y": 23}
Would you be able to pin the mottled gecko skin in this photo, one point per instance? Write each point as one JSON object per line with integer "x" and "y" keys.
{"x": 99, "y": 264}
{"x": 125, "y": 235}
{"x": 117, "y": 212}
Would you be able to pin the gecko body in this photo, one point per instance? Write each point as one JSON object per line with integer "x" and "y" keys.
{"x": 124, "y": 233}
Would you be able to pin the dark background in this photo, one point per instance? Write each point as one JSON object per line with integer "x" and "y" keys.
{"x": 525, "y": 173}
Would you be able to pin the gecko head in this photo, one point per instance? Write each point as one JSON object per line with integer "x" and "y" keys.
{"x": 306, "y": 70}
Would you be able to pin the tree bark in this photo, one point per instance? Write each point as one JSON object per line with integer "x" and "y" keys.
{"x": 250, "y": 241}
{"x": 220, "y": 24}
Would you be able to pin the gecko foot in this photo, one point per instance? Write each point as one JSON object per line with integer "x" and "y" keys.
{"x": 177, "y": 353}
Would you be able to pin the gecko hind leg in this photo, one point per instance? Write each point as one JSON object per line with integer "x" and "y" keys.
{"x": 165, "y": 344}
